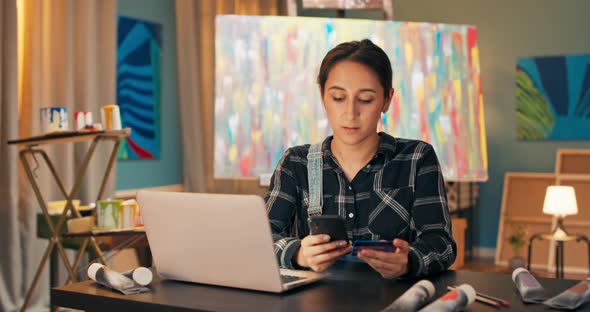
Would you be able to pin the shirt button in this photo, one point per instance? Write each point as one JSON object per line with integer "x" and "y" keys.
{"x": 368, "y": 166}
{"x": 350, "y": 187}
{"x": 351, "y": 215}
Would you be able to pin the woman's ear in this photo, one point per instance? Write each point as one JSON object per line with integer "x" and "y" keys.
{"x": 388, "y": 101}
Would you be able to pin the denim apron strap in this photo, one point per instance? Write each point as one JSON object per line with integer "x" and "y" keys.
{"x": 314, "y": 179}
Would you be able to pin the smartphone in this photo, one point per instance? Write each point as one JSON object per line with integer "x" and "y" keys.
{"x": 372, "y": 244}
{"x": 332, "y": 225}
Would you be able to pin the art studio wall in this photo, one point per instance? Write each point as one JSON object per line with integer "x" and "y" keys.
{"x": 507, "y": 31}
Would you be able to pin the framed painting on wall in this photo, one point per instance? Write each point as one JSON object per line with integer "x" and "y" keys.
{"x": 139, "y": 46}
{"x": 553, "y": 98}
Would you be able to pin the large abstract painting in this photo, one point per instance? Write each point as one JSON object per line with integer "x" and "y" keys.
{"x": 553, "y": 98}
{"x": 267, "y": 99}
{"x": 139, "y": 46}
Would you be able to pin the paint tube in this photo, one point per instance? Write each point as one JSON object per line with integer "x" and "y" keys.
{"x": 142, "y": 276}
{"x": 571, "y": 298}
{"x": 103, "y": 275}
{"x": 529, "y": 288}
{"x": 456, "y": 300}
{"x": 414, "y": 298}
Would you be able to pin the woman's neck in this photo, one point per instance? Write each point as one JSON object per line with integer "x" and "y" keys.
{"x": 353, "y": 157}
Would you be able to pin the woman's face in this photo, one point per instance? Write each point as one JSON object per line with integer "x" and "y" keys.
{"x": 354, "y": 100}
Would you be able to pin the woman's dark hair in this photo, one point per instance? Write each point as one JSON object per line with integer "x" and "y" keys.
{"x": 363, "y": 52}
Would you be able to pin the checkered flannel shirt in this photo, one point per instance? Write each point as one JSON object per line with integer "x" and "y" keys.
{"x": 399, "y": 194}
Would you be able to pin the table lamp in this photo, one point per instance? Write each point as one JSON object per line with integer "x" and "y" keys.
{"x": 560, "y": 201}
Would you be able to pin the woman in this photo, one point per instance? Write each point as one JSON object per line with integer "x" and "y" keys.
{"x": 385, "y": 188}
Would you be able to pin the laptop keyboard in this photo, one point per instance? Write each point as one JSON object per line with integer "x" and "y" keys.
{"x": 290, "y": 278}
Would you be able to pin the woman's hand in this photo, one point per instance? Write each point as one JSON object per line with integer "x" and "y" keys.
{"x": 318, "y": 253}
{"x": 388, "y": 264}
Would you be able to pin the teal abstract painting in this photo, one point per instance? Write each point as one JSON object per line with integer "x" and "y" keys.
{"x": 553, "y": 98}
{"x": 139, "y": 46}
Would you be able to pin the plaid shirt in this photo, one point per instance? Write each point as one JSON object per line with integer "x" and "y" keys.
{"x": 399, "y": 194}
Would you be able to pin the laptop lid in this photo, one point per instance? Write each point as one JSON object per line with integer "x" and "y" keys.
{"x": 216, "y": 239}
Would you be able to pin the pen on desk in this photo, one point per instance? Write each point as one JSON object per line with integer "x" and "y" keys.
{"x": 501, "y": 301}
{"x": 481, "y": 299}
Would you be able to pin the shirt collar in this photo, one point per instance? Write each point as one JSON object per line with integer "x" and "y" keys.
{"x": 387, "y": 145}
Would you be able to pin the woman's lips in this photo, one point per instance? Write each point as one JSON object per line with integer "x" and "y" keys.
{"x": 350, "y": 129}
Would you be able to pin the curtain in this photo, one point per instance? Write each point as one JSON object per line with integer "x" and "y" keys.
{"x": 10, "y": 264}
{"x": 66, "y": 57}
{"x": 195, "y": 31}
{"x": 189, "y": 95}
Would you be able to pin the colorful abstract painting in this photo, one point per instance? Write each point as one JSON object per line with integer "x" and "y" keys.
{"x": 553, "y": 98}
{"x": 267, "y": 99}
{"x": 139, "y": 46}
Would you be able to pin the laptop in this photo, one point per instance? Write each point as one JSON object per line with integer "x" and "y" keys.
{"x": 215, "y": 239}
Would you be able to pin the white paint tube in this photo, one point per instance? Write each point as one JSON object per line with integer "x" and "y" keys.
{"x": 572, "y": 298}
{"x": 529, "y": 288}
{"x": 414, "y": 298}
{"x": 455, "y": 300}
{"x": 142, "y": 276}
{"x": 103, "y": 275}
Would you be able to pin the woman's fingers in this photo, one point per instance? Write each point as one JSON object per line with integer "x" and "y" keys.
{"x": 388, "y": 264}
{"x": 325, "y": 247}
{"x": 312, "y": 240}
{"x": 323, "y": 261}
{"x": 402, "y": 245}
{"x": 387, "y": 270}
{"x": 390, "y": 257}
{"x": 320, "y": 253}
{"x": 331, "y": 255}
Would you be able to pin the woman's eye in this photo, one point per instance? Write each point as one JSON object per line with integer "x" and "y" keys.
{"x": 338, "y": 99}
{"x": 365, "y": 101}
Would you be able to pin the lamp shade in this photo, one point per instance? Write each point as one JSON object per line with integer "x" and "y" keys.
{"x": 560, "y": 200}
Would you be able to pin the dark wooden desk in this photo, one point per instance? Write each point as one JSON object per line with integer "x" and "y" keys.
{"x": 351, "y": 287}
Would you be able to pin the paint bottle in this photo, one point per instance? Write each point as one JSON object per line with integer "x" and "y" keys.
{"x": 53, "y": 119}
{"x": 529, "y": 288}
{"x": 82, "y": 120}
{"x": 107, "y": 214}
{"x": 572, "y": 298}
{"x": 111, "y": 117}
{"x": 127, "y": 214}
{"x": 103, "y": 275}
{"x": 456, "y": 300}
{"x": 414, "y": 298}
{"x": 142, "y": 276}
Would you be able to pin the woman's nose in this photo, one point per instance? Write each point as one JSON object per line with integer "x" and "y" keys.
{"x": 351, "y": 109}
